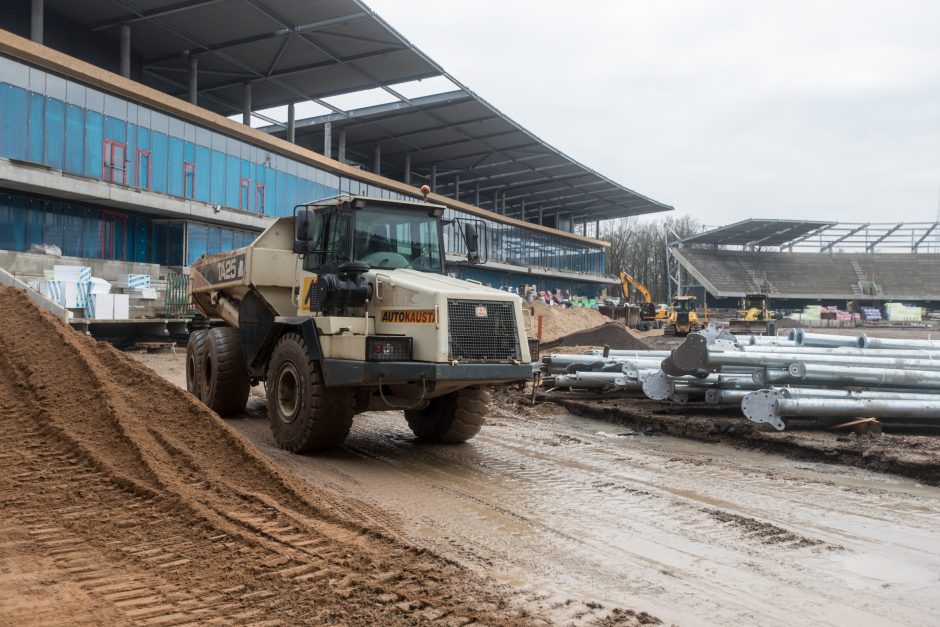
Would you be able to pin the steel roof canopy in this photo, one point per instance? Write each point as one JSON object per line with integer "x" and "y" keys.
{"x": 299, "y": 50}
{"x": 757, "y": 233}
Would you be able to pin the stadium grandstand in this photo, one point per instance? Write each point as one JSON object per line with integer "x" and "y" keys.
{"x": 811, "y": 261}
{"x": 151, "y": 132}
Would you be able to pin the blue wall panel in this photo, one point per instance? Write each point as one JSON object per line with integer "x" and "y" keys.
{"x": 74, "y": 139}
{"x": 35, "y": 142}
{"x": 14, "y": 121}
{"x": 217, "y": 178}
{"x": 55, "y": 133}
{"x": 94, "y": 136}
{"x": 175, "y": 167}
{"x": 232, "y": 183}
{"x": 159, "y": 156}
{"x": 115, "y": 129}
{"x": 203, "y": 173}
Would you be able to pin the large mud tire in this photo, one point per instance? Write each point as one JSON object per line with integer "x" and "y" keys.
{"x": 195, "y": 356}
{"x": 224, "y": 372}
{"x": 452, "y": 418}
{"x": 306, "y": 416}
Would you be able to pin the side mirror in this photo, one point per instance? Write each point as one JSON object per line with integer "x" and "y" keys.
{"x": 473, "y": 241}
{"x": 301, "y": 229}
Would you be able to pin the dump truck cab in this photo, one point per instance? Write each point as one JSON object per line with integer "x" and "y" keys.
{"x": 347, "y": 304}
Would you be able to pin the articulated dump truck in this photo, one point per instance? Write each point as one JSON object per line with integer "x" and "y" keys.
{"x": 345, "y": 307}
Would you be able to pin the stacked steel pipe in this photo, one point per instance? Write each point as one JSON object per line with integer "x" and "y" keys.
{"x": 805, "y": 375}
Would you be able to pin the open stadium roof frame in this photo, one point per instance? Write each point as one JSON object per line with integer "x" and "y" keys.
{"x": 823, "y": 237}
{"x": 292, "y": 51}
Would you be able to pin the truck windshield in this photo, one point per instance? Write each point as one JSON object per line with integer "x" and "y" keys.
{"x": 388, "y": 238}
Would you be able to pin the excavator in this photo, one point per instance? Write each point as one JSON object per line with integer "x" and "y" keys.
{"x": 682, "y": 319}
{"x": 754, "y": 316}
{"x": 651, "y": 316}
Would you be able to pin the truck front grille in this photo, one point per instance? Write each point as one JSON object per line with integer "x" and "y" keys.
{"x": 482, "y": 330}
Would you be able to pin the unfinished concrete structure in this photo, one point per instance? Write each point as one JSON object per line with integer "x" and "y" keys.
{"x": 127, "y": 137}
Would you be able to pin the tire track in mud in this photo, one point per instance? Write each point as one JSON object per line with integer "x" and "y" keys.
{"x": 161, "y": 514}
{"x": 698, "y": 534}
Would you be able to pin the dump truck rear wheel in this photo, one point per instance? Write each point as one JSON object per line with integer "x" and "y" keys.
{"x": 195, "y": 355}
{"x": 306, "y": 416}
{"x": 452, "y": 418}
{"x": 224, "y": 372}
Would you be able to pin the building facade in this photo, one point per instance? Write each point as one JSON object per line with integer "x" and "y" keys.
{"x": 52, "y": 124}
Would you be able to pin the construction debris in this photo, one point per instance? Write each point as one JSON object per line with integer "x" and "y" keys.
{"x": 815, "y": 376}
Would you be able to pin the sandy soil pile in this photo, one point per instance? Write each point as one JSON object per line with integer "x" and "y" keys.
{"x": 558, "y": 321}
{"x": 126, "y": 500}
{"x": 612, "y": 334}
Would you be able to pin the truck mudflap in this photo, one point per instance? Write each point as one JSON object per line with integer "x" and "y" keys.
{"x": 353, "y": 372}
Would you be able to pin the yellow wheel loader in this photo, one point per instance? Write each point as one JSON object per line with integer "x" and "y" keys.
{"x": 754, "y": 316}
{"x": 683, "y": 318}
{"x": 346, "y": 307}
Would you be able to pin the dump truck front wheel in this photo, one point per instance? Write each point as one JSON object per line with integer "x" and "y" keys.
{"x": 306, "y": 416}
{"x": 195, "y": 355}
{"x": 225, "y": 376}
{"x": 452, "y": 418}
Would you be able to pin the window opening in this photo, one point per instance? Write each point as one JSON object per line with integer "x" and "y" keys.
{"x": 244, "y": 195}
{"x": 259, "y": 197}
{"x": 113, "y": 236}
{"x": 114, "y": 162}
{"x": 143, "y": 169}
{"x": 189, "y": 179}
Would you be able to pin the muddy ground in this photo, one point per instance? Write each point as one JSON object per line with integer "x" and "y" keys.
{"x": 905, "y": 452}
{"x": 580, "y": 517}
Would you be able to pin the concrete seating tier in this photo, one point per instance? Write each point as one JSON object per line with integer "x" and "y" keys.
{"x": 816, "y": 275}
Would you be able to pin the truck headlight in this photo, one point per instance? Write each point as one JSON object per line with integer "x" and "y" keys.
{"x": 388, "y": 348}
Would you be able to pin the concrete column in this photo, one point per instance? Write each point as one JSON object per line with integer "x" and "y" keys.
{"x": 495, "y": 202}
{"x": 328, "y": 139}
{"x": 522, "y": 212}
{"x": 193, "y": 79}
{"x": 597, "y": 229}
{"x": 456, "y": 187}
{"x": 477, "y": 198}
{"x": 407, "y": 172}
{"x": 246, "y": 104}
{"x": 434, "y": 179}
{"x": 36, "y": 20}
{"x": 291, "y": 124}
{"x": 541, "y": 215}
{"x": 341, "y": 156}
{"x": 377, "y": 158}
{"x": 557, "y": 218}
{"x": 126, "y": 50}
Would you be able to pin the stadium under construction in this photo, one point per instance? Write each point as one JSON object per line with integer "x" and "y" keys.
{"x": 138, "y": 138}
{"x": 798, "y": 262}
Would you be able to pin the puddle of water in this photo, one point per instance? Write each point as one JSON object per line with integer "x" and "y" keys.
{"x": 881, "y": 570}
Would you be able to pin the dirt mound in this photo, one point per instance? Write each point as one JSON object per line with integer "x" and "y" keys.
{"x": 560, "y": 321}
{"x": 126, "y": 500}
{"x": 612, "y": 334}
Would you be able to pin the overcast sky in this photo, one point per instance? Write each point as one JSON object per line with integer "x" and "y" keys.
{"x": 723, "y": 109}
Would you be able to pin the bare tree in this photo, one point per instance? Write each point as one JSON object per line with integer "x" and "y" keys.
{"x": 639, "y": 248}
